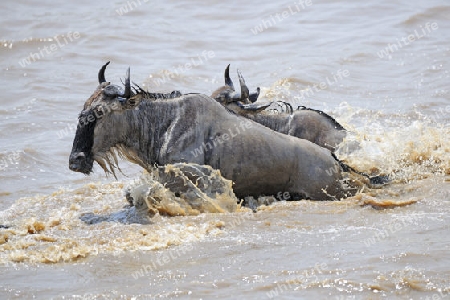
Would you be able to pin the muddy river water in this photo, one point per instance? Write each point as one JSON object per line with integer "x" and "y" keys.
{"x": 381, "y": 68}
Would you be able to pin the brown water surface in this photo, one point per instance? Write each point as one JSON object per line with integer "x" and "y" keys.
{"x": 381, "y": 68}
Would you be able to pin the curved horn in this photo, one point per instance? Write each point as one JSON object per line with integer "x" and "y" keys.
{"x": 227, "y": 77}
{"x": 101, "y": 73}
{"x": 127, "y": 93}
{"x": 244, "y": 88}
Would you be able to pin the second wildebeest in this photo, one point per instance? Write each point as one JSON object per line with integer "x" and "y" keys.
{"x": 194, "y": 128}
{"x": 304, "y": 123}
{"x": 312, "y": 125}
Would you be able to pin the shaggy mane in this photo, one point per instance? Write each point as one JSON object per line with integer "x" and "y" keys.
{"x": 153, "y": 96}
{"x": 109, "y": 160}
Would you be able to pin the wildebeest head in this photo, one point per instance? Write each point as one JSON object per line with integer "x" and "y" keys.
{"x": 227, "y": 94}
{"x": 108, "y": 99}
{"x": 245, "y": 103}
{"x": 240, "y": 103}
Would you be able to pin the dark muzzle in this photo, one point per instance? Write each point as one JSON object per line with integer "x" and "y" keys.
{"x": 78, "y": 162}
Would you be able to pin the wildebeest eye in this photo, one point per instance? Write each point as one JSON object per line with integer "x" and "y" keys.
{"x": 98, "y": 111}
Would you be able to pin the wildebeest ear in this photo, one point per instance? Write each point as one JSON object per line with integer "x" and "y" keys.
{"x": 254, "y": 107}
{"x": 254, "y": 96}
{"x": 228, "y": 80}
{"x": 131, "y": 102}
{"x": 244, "y": 89}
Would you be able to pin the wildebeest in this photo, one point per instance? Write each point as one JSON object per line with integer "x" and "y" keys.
{"x": 194, "y": 128}
{"x": 305, "y": 123}
{"x": 227, "y": 94}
